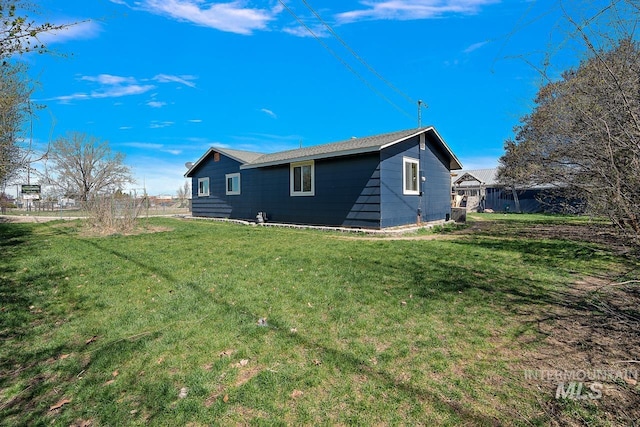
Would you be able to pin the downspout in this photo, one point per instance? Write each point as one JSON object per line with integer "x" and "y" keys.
{"x": 419, "y": 177}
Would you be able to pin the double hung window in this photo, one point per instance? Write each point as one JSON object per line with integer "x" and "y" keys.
{"x": 302, "y": 179}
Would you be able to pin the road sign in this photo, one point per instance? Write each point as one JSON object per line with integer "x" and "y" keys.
{"x": 30, "y": 189}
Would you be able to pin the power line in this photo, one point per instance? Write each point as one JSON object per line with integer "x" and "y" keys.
{"x": 343, "y": 62}
{"x": 355, "y": 54}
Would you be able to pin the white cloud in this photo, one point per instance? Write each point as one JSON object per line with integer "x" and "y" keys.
{"x": 110, "y": 92}
{"x": 266, "y": 143}
{"x": 160, "y": 124}
{"x": 112, "y": 86}
{"x": 230, "y": 17}
{"x": 269, "y": 113}
{"x": 116, "y": 92}
{"x": 82, "y": 30}
{"x": 143, "y": 145}
{"x": 166, "y": 78}
{"x": 411, "y": 9}
{"x": 152, "y": 146}
{"x": 319, "y": 30}
{"x": 474, "y": 46}
{"x": 156, "y": 104}
{"x": 195, "y": 121}
{"x": 108, "y": 79}
{"x": 65, "y": 99}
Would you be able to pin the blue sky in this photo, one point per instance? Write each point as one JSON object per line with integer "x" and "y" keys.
{"x": 163, "y": 80}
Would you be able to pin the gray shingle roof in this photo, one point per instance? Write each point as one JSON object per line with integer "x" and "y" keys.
{"x": 341, "y": 148}
{"x": 369, "y": 143}
{"x": 242, "y": 156}
{"x": 347, "y": 147}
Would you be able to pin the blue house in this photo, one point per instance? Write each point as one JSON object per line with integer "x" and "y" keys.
{"x": 379, "y": 181}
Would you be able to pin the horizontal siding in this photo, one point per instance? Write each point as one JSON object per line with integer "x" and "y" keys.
{"x": 437, "y": 189}
{"x": 217, "y": 204}
{"x": 211, "y": 207}
{"x": 347, "y": 193}
{"x": 399, "y": 209}
{"x": 354, "y": 191}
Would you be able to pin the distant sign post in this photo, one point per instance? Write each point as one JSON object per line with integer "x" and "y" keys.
{"x": 30, "y": 189}
{"x": 30, "y": 192}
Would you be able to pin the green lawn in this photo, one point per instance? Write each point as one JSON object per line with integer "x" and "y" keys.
{"x": 165, "y": 328}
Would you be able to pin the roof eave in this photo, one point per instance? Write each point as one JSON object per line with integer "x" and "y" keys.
{"x": 209, "y": 151}
{"x": 197, "y": 163}
{"x": 454, "y": 163}
{"x": 362, "y": 150}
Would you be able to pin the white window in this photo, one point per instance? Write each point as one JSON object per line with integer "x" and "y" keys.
{"x": 203, "y": 187}
{"x": 233, "y": 184}
{"x": 302, "y": 179}
{"x": 410, "y": 176}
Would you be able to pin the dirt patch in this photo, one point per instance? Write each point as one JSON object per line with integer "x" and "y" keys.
{"x": 244, "y": 375}
{"x": 146, "y": 229}
{"x": 588, "y": 359}
{"x": 593, "y": 232}
{"x": 599, "y": 233}
{"x": 86, "y": 231}
{"x": 400, "y": 237}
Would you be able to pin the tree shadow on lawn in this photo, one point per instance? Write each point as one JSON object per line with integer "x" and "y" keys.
{"x": 12, "y": 235}
{"x": 584, "y": 322}
{"x": 512, "y": 290}
{"x": 130, "y": 257}
{"x": 348, "y": 363}
{"x": 27, "y": 314}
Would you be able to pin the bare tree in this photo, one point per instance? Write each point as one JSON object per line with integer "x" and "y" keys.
{"x": 15, "y": 110}
{"x": 19, "y": 33}
{"x": 583, "y": 136}
{"x": 183, "y": 194}
{"x": 82, "y": 166}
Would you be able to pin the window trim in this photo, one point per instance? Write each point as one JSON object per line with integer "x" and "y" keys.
{"x": 226, "y": 186}
{"x": 406, "y": 191}
{"x": 203, "y": 194}
{"x": 292, "y": 168}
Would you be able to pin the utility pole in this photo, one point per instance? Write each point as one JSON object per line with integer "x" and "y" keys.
{"x": 419, "y": 113}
